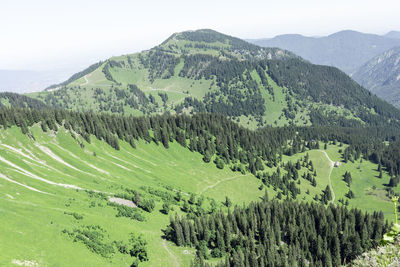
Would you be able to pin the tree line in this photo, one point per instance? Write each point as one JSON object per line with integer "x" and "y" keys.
{"x": 214, "y": 135}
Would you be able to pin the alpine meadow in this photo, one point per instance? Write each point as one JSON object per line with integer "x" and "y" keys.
{"x": 206, "y": 150}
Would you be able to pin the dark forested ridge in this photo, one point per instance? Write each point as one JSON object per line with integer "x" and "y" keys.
{"x": 329, "y": 85}
{"x": 20, "y": 101}
{"x": 273, "y": 233}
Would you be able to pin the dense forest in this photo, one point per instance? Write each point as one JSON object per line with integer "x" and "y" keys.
{"x": 273, "y": 233}
{"x": 328, "y": 85}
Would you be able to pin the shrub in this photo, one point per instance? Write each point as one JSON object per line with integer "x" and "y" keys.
{"x": 129, "y": 212}
{"x": 147, "y": 205}
{"x": 166, "y": 207}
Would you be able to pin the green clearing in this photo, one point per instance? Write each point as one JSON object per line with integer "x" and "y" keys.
{"x": 5, "y": 102}
{"x": 274, "y": 103}
{"x": 369, "y": 190}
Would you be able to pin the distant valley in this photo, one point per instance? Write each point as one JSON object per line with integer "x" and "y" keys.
{"x": 24, "y": 81}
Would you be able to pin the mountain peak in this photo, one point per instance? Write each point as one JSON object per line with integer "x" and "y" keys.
{"x": 349, "y": 34}
{"x": 207, "y": 41}
{"x": 208, "y": 36}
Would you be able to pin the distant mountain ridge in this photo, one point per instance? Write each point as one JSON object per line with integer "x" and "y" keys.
{"x": 346, "y": 50}
{"x": 24, "y": 81}
{"x": 381, "y": 75}
{"x": 393, "y": 34}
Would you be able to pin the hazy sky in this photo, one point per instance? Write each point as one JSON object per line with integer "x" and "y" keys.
{"x": 44, "y": 34}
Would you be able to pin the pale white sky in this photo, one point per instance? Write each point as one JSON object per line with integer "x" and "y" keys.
{"x": 46, "y": 34}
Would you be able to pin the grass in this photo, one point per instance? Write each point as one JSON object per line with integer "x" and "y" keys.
{"x": 32, "y": 222}
{"x": 321, "y": 165}
{"x": 369, "y": 190}
{"x": 274, "y": 105}
{"x": 5, "y": 102}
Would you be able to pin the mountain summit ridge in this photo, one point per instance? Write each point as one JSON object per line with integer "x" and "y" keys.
{"x": 206, "y": 71}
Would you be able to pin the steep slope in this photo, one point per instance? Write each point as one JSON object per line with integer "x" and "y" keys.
{"x": 346, "y": 50}
{"x": 381, "y": 75}
{"x": 54, "y": 184}
{"x": 205, "y": 71}
{"x": 38, "y": 199}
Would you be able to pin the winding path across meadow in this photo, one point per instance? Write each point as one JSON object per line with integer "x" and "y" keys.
{"x": 165, "y": 90}
{"x": 220, "y": 181}
{"x": 86, "y": 80}
{"x": 174, "y": 258}
{"x": 331, "y": 165}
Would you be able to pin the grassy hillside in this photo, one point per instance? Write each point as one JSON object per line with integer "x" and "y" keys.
{"x": 48, "y": 185}
{"x": 60, "y": 159}
{"x": 206, "y": 71}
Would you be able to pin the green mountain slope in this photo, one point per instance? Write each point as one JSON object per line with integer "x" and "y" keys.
{"x": 381, "y": 75}
{"x": 63, "y": 184}
{"x": 35, "y": 211}
{"x": 58, "y": 179}
{"x": 205, "y": 71}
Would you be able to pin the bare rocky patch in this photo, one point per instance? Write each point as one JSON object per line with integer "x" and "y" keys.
{"x": 121, "y": 201}
{"x": 24, "y": 263}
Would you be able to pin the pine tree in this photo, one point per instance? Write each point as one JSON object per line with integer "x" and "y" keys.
{"x": 179, "y": 238}
{"x": 347, "y": 178}
{"x": 394, "y": 181}
{"x": 228, "y": 202}
{"x": 265, "y": 198}
{"x": 192, "y": 199}
{"x": 165, "y": 137}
